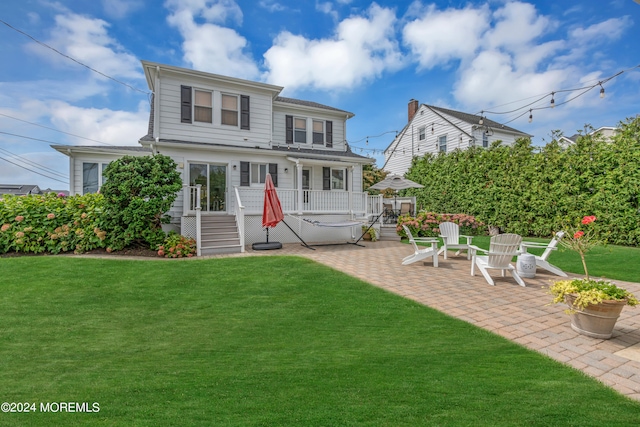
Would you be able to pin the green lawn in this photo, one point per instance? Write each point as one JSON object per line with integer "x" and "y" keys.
{"x": 612, "y": 262}
{"x": 265, "y": 341}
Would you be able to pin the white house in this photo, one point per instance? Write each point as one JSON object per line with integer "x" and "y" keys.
{"x": 605, "y": 132}
{"x": 226, "y": 134}
{"x": 433, "y": 129}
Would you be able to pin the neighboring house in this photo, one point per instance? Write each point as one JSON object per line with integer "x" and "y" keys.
{"x": 606, "y": 132}
{"x": 225, "y": 134}
{"x": 19, "y": 189}
{"x": 433, "y": 130}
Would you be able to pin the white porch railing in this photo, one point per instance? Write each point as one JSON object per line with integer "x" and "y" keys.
{"x": 313, "y": 201}
{"x": 239, "y": 218}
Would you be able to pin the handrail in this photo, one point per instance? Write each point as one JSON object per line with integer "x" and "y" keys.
{"x": 198, "y": 221}
{"x": 240, "y": 218}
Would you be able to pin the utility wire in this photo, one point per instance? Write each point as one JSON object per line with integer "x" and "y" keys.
{"x": 56, "y": 130}
{"x": 34, "y": 171}
{"x": 32, "y": 163}
{"x": 73, "y": 59}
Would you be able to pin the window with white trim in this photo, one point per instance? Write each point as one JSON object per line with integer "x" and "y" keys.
{"x": 202, "y": 106}
{"x": 337, "y": 179}
{"x": 485, "y": 139}
{"x": 318, "y": 132}
{"x": 300, "y": 130}
{"x": 422, "y": 134}
{"x": 442, "y": 143}
{"x": 229, "y": 110}
{"x": 259, "y": 172}
{"x": 93, "y": 177}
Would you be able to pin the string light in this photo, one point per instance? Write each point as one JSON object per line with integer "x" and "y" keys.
{"x": 553, "y": 101}
{"x": 530, "y": 116}
{"x": 481, "y": 121}
{"x": 601, "y": 90}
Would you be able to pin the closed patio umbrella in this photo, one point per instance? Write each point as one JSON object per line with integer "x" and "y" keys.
{"x": 271, "y": 214}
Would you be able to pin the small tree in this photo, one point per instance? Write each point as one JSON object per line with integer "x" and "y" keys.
{"x": 138, "y": 192}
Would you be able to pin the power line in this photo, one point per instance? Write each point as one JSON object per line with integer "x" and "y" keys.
{"x": 73, "y": 59}
{"x": 36, "y": 172}
{"x": 54, "y": 129}
{"x": 32, "y": 163}
{"x": 28, "y": 137}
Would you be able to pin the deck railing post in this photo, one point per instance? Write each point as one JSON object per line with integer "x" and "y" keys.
{"x": 198, "y": 221}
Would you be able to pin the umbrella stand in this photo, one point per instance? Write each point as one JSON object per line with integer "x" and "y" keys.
{"x": 265, "y": 246}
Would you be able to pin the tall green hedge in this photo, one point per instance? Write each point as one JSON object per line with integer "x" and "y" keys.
{"x": 533, "y": 191}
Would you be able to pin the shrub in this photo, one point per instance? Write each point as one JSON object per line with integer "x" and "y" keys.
{"x": 51, "y": 223}
{"x": 138, "y": 192}
{"x": 425, "y": 224}
{"x": 177, "y": 246}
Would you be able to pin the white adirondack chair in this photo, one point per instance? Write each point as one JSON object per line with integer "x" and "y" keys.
{"x": 421, "y": 253}
{"x": 450, "y": 233}
{"x": 502, "y": 249}
{"x": 541, "y": 261}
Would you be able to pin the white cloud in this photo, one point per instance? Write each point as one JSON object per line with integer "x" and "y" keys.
{"x": 604, "y": 31}
{"x": 327, "y": 8}
{"x": 437, "y": 37}
{"x": 271, "y": 5}
{"x": 121, "y": 8}
{"x": 87, "y": 41}
{"x": 362, "y": 48}
{"x": 517, "y": 25}
{"x": 209, "y": 46}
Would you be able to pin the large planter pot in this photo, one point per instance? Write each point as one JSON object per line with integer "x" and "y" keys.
{"x": 596, "y": 321}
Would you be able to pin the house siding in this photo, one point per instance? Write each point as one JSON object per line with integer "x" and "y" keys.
{"x": 171, "y": 128}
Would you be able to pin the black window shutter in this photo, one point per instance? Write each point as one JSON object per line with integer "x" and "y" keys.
{"x": 244, "y": 174}
{"x": 273, "y": 171}
{"x": 244, "y": 112}
{"x": 326, "y": 178}
{"x": 346, "y": 179}
{"x": 185, "y": 104}
{"x": 289, "y": 129}
{"x": 329, "y": 127}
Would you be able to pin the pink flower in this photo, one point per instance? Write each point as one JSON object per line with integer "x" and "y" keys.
{"x": 578, "y": 234}
{"x": 51, "y": 216}
{"x": 19, "y": 234}
{"x": 19, "y": 218}
{"x": 588, "y": 219}
{"x": 5, "y": 227}
{"x": 61, "y": 195}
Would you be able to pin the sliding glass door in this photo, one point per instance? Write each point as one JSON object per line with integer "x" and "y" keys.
{"x": 213, "y": 179}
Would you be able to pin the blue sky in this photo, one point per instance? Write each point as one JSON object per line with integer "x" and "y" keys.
{"x": 369, "y": 58}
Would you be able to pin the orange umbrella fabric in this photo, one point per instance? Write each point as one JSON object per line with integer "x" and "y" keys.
{"x": 272, "y": 210}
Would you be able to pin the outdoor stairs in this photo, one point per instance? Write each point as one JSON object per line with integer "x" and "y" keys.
{"x": 219, "y": 235}
{"x": 388, "y": 232}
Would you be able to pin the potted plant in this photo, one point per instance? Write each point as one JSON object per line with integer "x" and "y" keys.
{"x": 371, "y": 233}
{"x": 594, "y": 305}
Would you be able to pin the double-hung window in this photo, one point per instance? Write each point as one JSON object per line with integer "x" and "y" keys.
{"x": 229, "y": 110}
{"x": 259, "y": 172}
{"x": 318, "y": 132}
{"x": 422, "y": 133}
{"x": 203, "y": 106}
{"x": 300, "y": 130}
{"x": 442, "y": 143}
{"x": 485, "y": 139}
{"x": 92, "y": 177}
{"x": 337, "y": 179}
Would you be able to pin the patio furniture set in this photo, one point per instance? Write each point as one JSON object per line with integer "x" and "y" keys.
{"x": 502, "y": 249}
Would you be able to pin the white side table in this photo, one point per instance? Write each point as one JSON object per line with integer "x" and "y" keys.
{"x": 526, "y": 266}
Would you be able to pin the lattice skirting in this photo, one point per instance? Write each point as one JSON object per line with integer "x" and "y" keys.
{"x": 188, "y": 226}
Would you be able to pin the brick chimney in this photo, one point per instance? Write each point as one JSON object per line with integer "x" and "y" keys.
{"x": 413, "y": 109}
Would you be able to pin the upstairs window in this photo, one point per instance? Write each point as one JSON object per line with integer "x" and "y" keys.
{"x": 229, "y": 110}
{"x": 442, "y": 143}
{"x": 202, "y": 107}
{"x": 422, "y": 134}
{"x": 300, "y": 130}
{"x": 318, "y": 132}
{"x": 485, "y": 140}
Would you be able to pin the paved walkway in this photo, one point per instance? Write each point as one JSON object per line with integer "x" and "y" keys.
{"x": 520, "y": 314}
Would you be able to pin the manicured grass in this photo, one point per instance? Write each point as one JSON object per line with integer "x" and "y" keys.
{"x": 264, "y": 341}
{"x": 611, "y": 262}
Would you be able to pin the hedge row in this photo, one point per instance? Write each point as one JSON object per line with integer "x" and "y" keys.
{"x": 535, "y": 191}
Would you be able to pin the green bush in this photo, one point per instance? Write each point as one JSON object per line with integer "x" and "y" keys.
{"x": 51, "y": 223}
{"x": 138, "y": 192}
{"x": 177, "y": 246}
{"x": 425, "y": 224}
{"x": 532, "y": 191}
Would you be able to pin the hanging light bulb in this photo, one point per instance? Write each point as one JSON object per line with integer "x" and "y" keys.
{"x": 553, "y": 101}
{"x": 481, "y": 121}
{"x": 431, "y": 128}
{"x": 601, "y": 91}
{"x": 367, "y": 143}
{"x": 530, "y": 116}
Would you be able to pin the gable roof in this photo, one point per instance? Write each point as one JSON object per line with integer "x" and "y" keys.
{"x": 474, "y": 119}
{"x": 311, "y": 104}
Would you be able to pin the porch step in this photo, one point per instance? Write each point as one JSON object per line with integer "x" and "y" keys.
{"x": 219, "y": 235}
{"x": 388, "y": 233}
